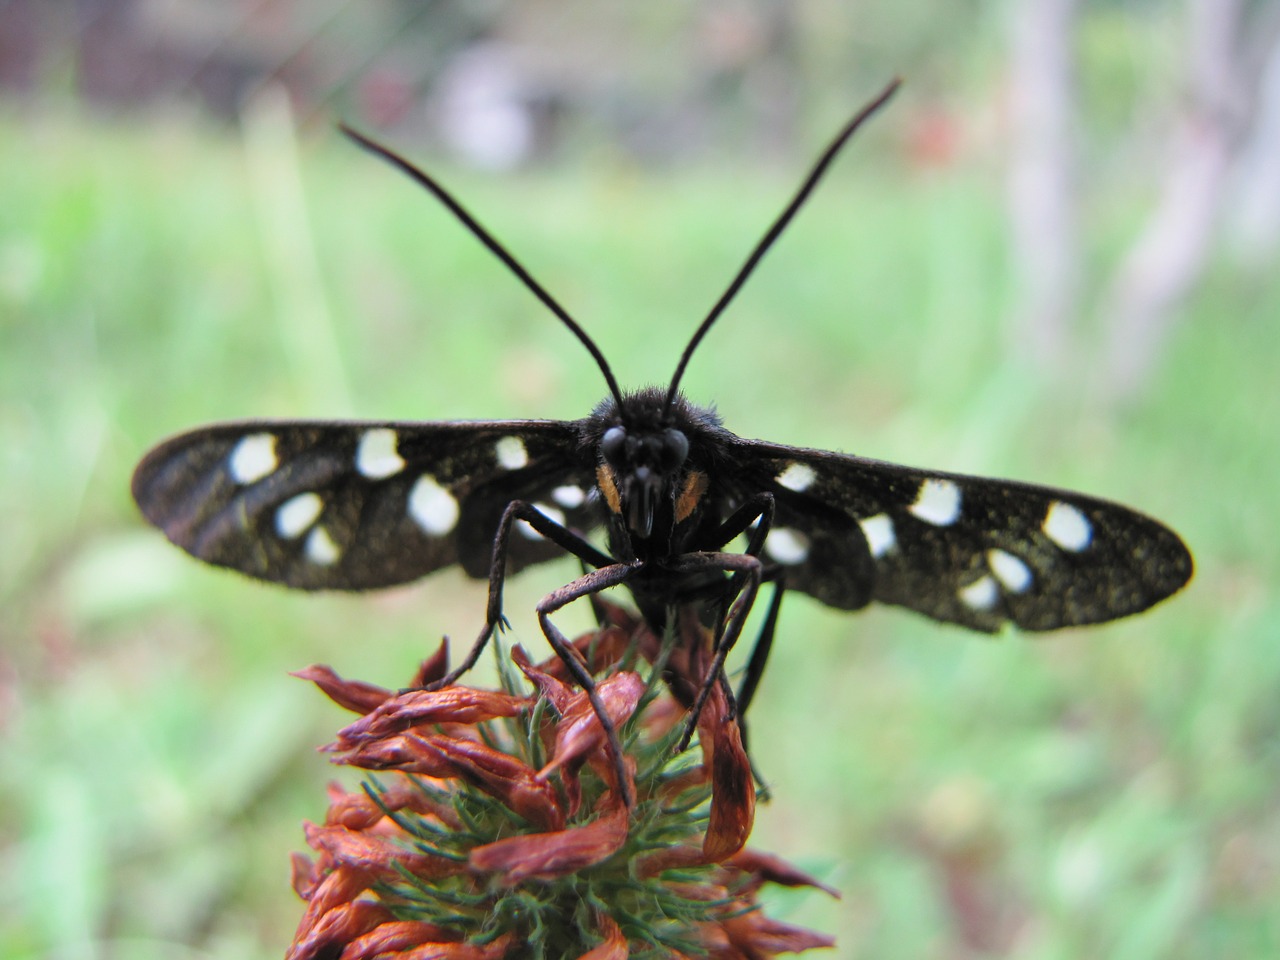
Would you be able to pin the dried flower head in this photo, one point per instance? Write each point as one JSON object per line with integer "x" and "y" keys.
{"x": 496, "y": 827}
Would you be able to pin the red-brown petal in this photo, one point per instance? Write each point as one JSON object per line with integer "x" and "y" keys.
{"x": 559, "y": 693}
{"x": 669, "y": 858}
{"x": 408, "y": 753}
{"x": 395, "y": 936}
{"x": 580, "y": 733}
{"x": 494, "y": 950}
{"x": 342, "y": 885}
{"x": 733, "y": 792}
{"x": 353, "y": 695}
{"x": 358, "y": 810}
{"x": 755, "y": 934}
{"x": 505, "y": 777}
{"x": 556, "y": 853}
{"x": 425, "y": 707}
{"x": 615, "y": 946}
{"x": 767, "y": 868}
{"x": 303, "y": 876}
{"x": 434, "y": 668}
{"x": 375, "y": 855}
{"x": 603, "y": 648}
{"x": 321, "y": 935}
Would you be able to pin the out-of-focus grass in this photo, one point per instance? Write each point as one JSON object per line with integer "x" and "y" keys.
{"x": 1110, "y": 792}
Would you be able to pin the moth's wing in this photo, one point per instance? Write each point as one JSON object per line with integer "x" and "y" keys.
{"x": 354, "y": 506}
{"x": 967, "y": 550}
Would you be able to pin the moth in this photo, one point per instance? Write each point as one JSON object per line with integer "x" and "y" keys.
{"x": 362, "y": 505}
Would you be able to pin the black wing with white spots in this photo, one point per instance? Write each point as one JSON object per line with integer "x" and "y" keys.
{"x": 354, "y": 506}
{"x": 968, "y": 550}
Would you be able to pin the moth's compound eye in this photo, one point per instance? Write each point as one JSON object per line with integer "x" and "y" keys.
{"x": 613, "y": 444}
{"x": 675, "y": 449}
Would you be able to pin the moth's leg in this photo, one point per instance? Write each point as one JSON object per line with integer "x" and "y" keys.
{"x": 557, "y": 534}
{"x": 597, "y": 607}
{"x": 588, "y": 585}
{"x": 757, "y": 510}
{"x": 756, "y": 664}
{"x": 750, "y": 571}
{"x": 764, "y": 642}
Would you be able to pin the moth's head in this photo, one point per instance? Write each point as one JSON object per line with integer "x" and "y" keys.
{"x": 643, "y": 457}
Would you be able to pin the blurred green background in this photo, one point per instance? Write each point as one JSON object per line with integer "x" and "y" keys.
{"x": 1052, "y": 258}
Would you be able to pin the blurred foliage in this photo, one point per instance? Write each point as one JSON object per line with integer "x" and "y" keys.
{"x": 1110, "y": 792}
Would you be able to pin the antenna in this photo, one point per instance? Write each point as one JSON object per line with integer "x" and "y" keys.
{"x": 775, "y": 231}
{"x": 497, "y": 249}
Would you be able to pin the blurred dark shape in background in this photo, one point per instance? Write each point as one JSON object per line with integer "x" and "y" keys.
{"x": 489, "y": 82}
{"x": 500, "y": 85}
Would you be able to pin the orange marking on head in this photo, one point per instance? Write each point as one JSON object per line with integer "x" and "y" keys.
{"x": 605, "y": 481}
{"x": 695, "y": 485}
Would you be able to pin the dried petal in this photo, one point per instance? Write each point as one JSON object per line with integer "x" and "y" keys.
{"x": 395, "y": 936}
{"x": 358, "y": 810}
{"x": 342, "y": 885}
{"x": 509, "y": 779}
{"x": 334, "y": 928}
{"x": 615, "y": 946}
{"x": 422, "y": 707}
{"x": 494, "y": 950}
{"x": 733, "y": 792}
{"x": 767, "y": 868}
{"x": 556, "y": 853}
{"x": 353, "y": 695}
{"x": 303, "y": 876}
{"x": 670, "y": 858}
{"x": 755, "y": 934}
{"x": 408, "y": 754}
{"x": 580, "y": 733}
{"x": 434, "y": 668}
{"x": 601, "y": 650}
{"x": 374, "y": 855}
{"x": 555, "y": 689}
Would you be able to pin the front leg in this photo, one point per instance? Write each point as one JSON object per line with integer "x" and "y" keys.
{"x": 756, "y": 515}
{"x": 557, "y": 534}
{"x": 749, "y": 570}
{"x": 588, "y": 584}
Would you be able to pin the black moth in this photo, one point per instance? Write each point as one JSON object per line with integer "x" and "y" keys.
{"x": 355, "y": 506}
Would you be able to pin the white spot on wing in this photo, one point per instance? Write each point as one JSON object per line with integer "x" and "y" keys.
{"x": 981, "y": 594}
{"x": 432, "y": 507}
{"x": 787, "y": 546}
{"x": 879, "y": 533}
{"x": 569, "y": 496}
{"x": 320, "y": 548}
{"x": 1009, "y": 570}
{"x": 551, "y": 514}
{"x": 1067, "y": 526}
{"x": 938, "y": 502}
{"x": 511, "y": 453}
{"x": 797, "y": 476}
{"x": 376, "y": 454}
{"x": 253, "y": 458}
{"x": 296, "y": 515}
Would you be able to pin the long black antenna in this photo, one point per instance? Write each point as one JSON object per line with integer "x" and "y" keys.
{"x": 775, "y": 231}
{"x": 497, "y": 249}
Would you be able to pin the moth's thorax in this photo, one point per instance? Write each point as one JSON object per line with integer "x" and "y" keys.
{"x": 651, "y": 466}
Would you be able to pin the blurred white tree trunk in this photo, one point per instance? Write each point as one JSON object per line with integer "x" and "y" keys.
{"x": 1233, "y": 49}
{"x": 1255, "y": 222}
{"x": 1164, "y": 263}
{"x": 1042, "y": 180}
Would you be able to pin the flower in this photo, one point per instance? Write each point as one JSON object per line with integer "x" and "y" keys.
{"x": 492, "y": 825}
